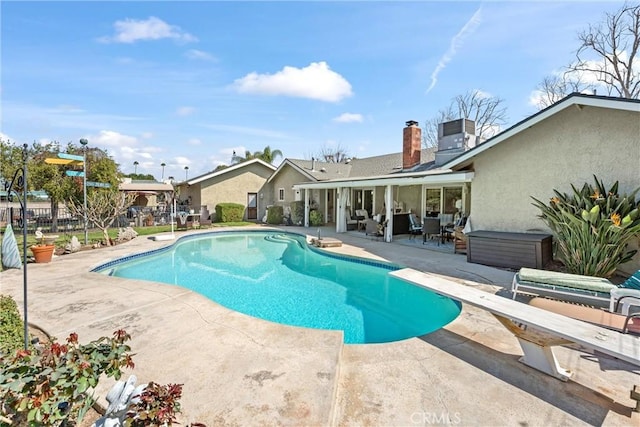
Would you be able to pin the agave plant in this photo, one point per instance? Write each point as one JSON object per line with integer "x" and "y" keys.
{"x": 592, "y": 227}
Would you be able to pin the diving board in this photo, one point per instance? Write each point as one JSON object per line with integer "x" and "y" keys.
{"x": 537, "y": 330}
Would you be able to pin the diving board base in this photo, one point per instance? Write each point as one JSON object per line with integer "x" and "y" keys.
{"x": 541, "y": 357}
{"x": 326, "y": 242}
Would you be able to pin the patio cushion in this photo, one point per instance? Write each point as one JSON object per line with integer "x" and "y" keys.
{"x": 598, "y": 284}
{"x": 632, "y": 282}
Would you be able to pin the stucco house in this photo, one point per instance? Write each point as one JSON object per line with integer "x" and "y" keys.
{"x": 240, "y": 183}
{"x": 493, "y": 182}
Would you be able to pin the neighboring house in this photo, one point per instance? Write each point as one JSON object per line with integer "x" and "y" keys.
{"x": 567, "y": 143}
{"x": 241, "y": 183}
{"x": 148, "y": 193}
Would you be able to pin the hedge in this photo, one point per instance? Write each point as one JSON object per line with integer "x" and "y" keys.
{"x": 229, "y": 212}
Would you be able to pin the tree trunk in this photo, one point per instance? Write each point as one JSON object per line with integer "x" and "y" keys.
{"x": 54, "y": 215}
{"x": 105, "y": 234}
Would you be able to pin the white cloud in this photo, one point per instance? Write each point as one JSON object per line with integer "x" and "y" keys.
{"x": 112, "y": 139}
{"x": 199, "y": 55}
{"x": 182, "y": 161}
{"x": 194, "y": 141}
{"x": 185, "y": 111}
{"x": 348, "y": 118}
{"x": 133, "y": 30}
{"x": 316, "y": 81}
{"x": 146, "y": 135}
{"x": 455, "y": 44}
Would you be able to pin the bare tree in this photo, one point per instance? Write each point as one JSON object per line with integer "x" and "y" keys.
{"x": 103, "y": 208}
{"x": 488, "y": 113}
{"x": 430, "y": 128}
{"x": 608, "y": 51}
{"x": 555, "y": 87}
{"x": 336, "y": 154}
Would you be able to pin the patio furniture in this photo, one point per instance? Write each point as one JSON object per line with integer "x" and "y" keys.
{"x": 511, "y": 250}
{"x": 596, "y": 291}
{"x": 430, "y": 228}
{"x": 352, "y": 222}
{"x": 361, "y": 216}
{"x": 415, "y": 227}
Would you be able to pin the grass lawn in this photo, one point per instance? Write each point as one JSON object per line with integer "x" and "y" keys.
{"x": 96, "y": 236}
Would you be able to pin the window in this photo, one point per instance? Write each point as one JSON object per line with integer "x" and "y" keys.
{"x": 281, "y": 194}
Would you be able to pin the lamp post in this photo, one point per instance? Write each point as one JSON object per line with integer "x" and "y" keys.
{"x": 84, "y": 143}
{"x": 163, "y": 165}
{"x": 135, "y": 167}
{"x": 186, "y": 172}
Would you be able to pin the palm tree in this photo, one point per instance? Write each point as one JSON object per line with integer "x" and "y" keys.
{"x": 239, "y": 159}
{"x": 163, "y": 164}
{"x": 186, "y": 172}
{"x": 266, "y": 155}
{"x": 135, "y": 167}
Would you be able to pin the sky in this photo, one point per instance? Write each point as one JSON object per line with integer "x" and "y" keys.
{"x": 189, "y": 83}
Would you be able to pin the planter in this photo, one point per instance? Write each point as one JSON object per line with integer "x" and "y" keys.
{"x": 43, "y": 253}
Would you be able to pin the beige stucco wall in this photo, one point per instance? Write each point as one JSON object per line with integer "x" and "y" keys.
{"x": 230, "y": 187}
{"x": 567, "y": 148}
{"x": 286, "y": 178}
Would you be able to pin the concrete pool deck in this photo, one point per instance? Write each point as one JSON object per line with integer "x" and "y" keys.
{"x": 238, "y": 370}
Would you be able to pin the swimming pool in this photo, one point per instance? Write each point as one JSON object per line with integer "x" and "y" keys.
{"x": 276, "y": 276}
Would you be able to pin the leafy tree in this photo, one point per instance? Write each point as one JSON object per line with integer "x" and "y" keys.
{"x": 50, "y": 178}
{"x": 58, "y": 186}
{"x": 141, "y": 176}
{"x": 488, "y": 113}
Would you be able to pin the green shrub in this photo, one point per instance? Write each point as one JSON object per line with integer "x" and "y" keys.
{"x": 297, "y": 212}
{"x": 592, "y": 227}
{"x": 11, "y": 326}
{"x": 229, "y": 212}
{"x": 274, "y": 215}
{"x": 315, "y": 218}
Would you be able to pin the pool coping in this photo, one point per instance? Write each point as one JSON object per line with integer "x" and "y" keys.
{"x": 284, "y": 375}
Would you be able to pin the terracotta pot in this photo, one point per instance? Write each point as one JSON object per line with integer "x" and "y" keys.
{"x": 43, "y": 253}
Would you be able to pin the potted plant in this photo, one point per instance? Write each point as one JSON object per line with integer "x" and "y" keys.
{"x": 43, "y": 249}
{"x": 148, "y": 220}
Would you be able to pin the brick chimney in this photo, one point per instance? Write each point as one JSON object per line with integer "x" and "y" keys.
{"x": 411, "y": 145}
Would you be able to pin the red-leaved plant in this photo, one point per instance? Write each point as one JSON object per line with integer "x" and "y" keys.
{"x": 157, "y": 406}
{"x": 50, "y": 386}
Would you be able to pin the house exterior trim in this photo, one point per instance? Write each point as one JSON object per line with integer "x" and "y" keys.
{"x": 229, "y": 169}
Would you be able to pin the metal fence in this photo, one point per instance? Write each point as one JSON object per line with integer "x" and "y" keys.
{"x": 137, "y": 216}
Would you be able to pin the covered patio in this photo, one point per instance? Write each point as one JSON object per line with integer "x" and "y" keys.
{"x": 425, "y": 194}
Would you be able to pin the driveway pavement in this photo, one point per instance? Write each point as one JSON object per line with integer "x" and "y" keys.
{"x": 238, "y": 370}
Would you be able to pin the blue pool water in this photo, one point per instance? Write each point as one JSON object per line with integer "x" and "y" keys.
{"x": 276, "y": 276}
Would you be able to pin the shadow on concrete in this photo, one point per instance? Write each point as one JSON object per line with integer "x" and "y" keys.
{"x": 576, "y": 399}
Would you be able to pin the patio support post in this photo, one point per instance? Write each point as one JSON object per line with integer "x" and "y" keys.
{"x": 306, "y": 207}
{"x": 388, "y": 202}
{"x": 340, "y": 211}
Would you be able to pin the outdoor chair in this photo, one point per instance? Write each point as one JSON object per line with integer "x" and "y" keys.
{"x": 362, "y": 216}
{"x": 352, "y": 222}
{"x": 415, "y": 227}
{"x": 430, "y": 228}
